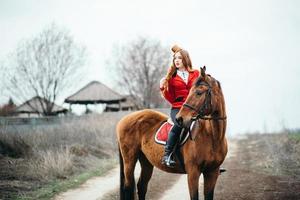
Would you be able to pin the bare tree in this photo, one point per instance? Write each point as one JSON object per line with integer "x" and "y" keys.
{"x": 141, "y": 64}
{"x": 44, "y": 66}
{"x": 8, "y": 109}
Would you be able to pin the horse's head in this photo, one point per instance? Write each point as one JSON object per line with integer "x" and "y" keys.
{"x": 205, "y": 99}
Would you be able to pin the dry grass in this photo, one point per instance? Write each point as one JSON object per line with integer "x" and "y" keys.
{"x": 58, "y": 164}
{"x": 263, "y": 166}
{"x": 280, "y": 155}
{"x": 43, "y": 153}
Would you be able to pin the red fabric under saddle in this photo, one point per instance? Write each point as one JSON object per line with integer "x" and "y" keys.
{"x": 161, "y": 135}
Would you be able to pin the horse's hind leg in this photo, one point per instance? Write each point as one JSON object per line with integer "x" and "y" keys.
{"x": 210, "y": 179}
{"x": 146, "y": 173}
{"x": 130, "y": 156}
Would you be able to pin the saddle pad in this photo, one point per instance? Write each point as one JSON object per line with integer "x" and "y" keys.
{"x": 161, "y": 135}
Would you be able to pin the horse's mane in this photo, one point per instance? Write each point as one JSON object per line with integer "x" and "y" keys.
{"x": 199, "y": 80}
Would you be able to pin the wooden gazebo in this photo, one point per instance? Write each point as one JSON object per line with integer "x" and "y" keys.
{"x": 95, "y": 93}
{"x": 127, "y": 105}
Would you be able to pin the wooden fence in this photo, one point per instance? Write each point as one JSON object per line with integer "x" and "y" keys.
{"x": 34, "y": 120}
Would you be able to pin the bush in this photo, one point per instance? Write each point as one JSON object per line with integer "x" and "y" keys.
{"x": 53, "y": 164}
{"x": 14, "y": 146}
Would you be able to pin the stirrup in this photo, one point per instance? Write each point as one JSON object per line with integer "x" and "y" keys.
{"x": 169, "y": 162}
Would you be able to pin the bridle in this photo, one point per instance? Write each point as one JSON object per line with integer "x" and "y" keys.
{"x": 206, "y": 106}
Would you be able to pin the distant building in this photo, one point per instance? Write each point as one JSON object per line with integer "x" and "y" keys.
{"x": 34, "y": 108}
{"x": 128, "y": 104}
{"x": 95, "y": 93}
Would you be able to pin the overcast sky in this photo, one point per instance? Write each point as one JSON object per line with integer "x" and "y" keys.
{"x": 252, "y": 47}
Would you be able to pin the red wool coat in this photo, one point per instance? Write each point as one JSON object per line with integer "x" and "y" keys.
{"x": 178, "y": 89}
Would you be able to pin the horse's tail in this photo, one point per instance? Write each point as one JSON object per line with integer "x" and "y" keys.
{"x": 122, "y": 177}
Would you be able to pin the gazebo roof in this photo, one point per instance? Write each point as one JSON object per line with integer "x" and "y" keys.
{"x": 95, "y": 92}
{"x": 33, "y": 105}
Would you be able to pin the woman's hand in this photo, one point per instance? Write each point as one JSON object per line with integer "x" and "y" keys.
{"x": 162, "y": 83}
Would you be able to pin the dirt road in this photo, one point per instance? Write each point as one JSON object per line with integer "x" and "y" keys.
{"x": 251, "y": 165}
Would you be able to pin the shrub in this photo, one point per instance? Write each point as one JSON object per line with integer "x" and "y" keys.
{"x": 14, "y": 146}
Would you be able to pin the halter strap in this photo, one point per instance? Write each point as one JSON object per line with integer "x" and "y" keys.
{"x": 200, "y": 112}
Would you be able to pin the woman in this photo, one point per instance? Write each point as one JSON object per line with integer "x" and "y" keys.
{"x": 175, "y": 88}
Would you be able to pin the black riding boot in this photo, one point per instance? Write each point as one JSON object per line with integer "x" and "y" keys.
{"x": 173, "y": 137}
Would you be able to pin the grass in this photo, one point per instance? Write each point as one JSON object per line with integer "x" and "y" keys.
{"x": 38, "y": 161}
{"x": 295, "y": 135}
{"x": 278, "y": 155}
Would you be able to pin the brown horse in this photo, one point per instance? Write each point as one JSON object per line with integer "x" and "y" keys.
{"x": 203, "y": 153}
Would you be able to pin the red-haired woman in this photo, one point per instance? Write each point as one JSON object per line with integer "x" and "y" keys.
{"x": 175, "y": 87}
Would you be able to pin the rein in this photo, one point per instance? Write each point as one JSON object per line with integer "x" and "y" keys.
{"x": 201, "y": 111}
{"x": 204, "y": 107}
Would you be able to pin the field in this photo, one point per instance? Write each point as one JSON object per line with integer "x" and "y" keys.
{"x": 55, "y": 156}
{"x": 264, "y": 166}
{"x": 39, "y": 161}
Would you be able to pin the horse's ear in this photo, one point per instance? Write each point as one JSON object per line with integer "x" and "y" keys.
{"x": 202, "y": 70}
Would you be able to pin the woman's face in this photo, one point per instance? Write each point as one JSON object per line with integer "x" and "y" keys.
{"x": 178, "y": 60}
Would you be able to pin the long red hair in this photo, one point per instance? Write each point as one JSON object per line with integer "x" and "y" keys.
{"x": 187, "y": 63}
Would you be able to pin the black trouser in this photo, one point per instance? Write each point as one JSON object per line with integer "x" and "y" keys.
{"x": 176, "y": 128}
{"x": 175, "y": 131}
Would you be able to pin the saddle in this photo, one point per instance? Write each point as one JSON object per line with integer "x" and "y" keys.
{"x": 161, "y": 135}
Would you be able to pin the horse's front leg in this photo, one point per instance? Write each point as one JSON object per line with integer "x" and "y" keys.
{"x": 210, "y": 179}
{"x": 193, "y": 175}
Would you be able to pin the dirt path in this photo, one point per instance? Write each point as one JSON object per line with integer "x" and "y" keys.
{"x": 254, "y": 171}
{"x": 163, "y": 186}
{"x": 107, "y": 187}
{"x": 263, "y": 167}
{"x": 180, "y": 189}
{"x": 93, "y": 188}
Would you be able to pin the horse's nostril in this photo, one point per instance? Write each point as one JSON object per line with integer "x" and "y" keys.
{"x": 179, "y": 120}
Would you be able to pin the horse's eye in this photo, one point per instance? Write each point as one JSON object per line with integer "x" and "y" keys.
{"x": 198, "y": 92}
